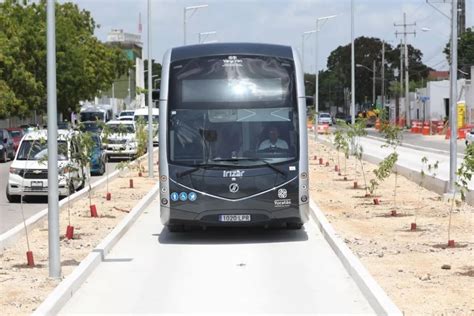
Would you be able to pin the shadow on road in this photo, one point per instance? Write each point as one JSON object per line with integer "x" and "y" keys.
{"x": 231, "y": 235}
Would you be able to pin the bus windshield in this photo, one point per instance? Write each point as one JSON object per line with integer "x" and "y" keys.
{"x": 227, "y": 108}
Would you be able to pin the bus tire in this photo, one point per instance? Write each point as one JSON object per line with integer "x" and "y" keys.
{"x": 175, "y": 228}
{"x": 294, "y": 226}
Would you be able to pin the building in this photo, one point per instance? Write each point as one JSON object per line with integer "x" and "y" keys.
{"x": 123, "y": 93}
{"x": 432, "y": 102}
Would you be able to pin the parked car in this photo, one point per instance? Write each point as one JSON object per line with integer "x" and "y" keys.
{"x": 121, "y": 140}
{"x": 16, "y": 134}
{"x": 324, "y": 118}
{"x": 343, "y": 117}
{"x": 142, "y": 114}
{"x": 64, "y": 125}
{"x": 470, "y": 137}
{"x": 92, "y": 127}
{"x": 29, "y": 170}
{"x": 127, "y": 113}
{"x": 99, "y": 158}
{"x": 126, "y": 118}
{"x": 7, "y": 147}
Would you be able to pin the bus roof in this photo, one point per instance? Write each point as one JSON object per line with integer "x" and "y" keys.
{"x": 201, "y": 50}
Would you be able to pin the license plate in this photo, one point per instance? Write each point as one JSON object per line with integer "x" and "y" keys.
{"x": 36, "y": 184}
{"x": 234, "y": 218}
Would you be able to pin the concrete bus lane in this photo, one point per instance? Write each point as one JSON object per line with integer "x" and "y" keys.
{"x": 218, "y": 271}
{"x": 10, "y": 213}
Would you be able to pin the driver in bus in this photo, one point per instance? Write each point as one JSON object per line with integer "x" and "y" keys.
{"x": 273, "y": 141}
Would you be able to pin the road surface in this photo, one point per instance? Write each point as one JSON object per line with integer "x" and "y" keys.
{"x": 10, "y": 213}
{"x": 218, "y": 272}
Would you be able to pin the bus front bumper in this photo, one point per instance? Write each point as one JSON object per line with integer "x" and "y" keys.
{"x": 264, "y": 218}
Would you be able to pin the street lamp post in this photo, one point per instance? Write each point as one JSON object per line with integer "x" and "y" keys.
{"x": 303, "y": 38}
{"x": 373, "y": 71}
{"x": 321, "y": 20}
{"x": 193, "y": 10}
{"x": 150, "y": 113}
{"x": 202, "y": 35}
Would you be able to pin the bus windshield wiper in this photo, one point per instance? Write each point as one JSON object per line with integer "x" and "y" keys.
{"x": 197, "y": 167}
{"x": 252, "y": 159}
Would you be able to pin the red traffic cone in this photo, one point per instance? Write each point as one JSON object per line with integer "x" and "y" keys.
{"x": 320, "y": 161}
{"x": 108, "y": 196}
{"x": 376, "y": 201}
{"x": 93, "y": 211}
{"x": 393, "y": 213}
{"x": 70, "y": 232}
{"x": 451, "y": 244}
{"x": 30, "y": 259}
{"x": 413, "y": 226}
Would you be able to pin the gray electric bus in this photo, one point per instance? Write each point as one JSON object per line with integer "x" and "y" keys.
{"x": 233, "y": 140}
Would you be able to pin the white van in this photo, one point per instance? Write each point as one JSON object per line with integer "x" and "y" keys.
{"x": 121, "y": 141}
{"x": 29, "y": 170}
{"x": 142, "y": 114}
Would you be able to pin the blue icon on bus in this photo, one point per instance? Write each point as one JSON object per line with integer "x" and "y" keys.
{"x": 192, "y": 196}
{"x": 174, "y": 196}
{"x": 183, "y": 196}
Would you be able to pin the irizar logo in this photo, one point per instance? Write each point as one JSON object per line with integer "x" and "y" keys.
{"x": 232, "y": 173}
{"x": 232, "y": 61}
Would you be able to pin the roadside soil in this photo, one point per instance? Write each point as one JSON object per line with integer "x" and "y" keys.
{"x": 407, "y": 264}
{"x": 23, "y": 288}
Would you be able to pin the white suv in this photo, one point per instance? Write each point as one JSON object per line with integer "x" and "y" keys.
{"x": 29, "y": 170}
{"x": 121, "y": 141}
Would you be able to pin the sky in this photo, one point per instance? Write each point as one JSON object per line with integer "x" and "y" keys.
{"x": 280, "y": 22}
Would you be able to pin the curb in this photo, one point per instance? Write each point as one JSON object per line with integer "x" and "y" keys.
{"x": 435, "y": 184}
{"x": 374, "y": 294}
{"x": 420, "y": 148}
{"x": 12, "y": 235}
{"x": 64, "y": 291}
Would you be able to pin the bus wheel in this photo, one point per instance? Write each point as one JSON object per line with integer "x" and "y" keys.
{"x": 294, "y": 225}
{"x": 175, "y": 228}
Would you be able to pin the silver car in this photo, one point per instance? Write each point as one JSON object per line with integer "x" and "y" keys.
{"x": 324, "y": 118}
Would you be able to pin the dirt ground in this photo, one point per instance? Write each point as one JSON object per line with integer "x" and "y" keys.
{"x": 23, "y": 288}
{"x": 407, "y": 264}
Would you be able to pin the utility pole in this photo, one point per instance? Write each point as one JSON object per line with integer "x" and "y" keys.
{"x": 401, "y": 79}
{"x": 352, "y": 66}
{"x": 373, "y": 83}
{"x": 382, "y": 94}
{"x": 453, "y": 115}
{"x": 407, "y": 80}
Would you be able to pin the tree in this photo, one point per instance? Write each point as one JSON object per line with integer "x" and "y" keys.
{"x": 465, "y": 51}
{"x": 367, "y": 50}
{"x": 84, "y": 65}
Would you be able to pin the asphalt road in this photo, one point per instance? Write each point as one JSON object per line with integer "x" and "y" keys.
{"x": 10, "y": 213}
{"x": 239, "y": 271}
